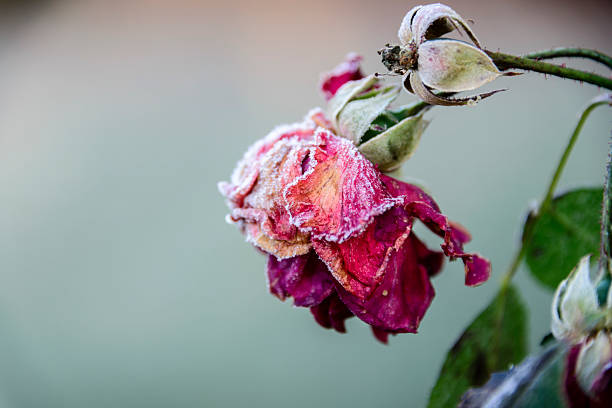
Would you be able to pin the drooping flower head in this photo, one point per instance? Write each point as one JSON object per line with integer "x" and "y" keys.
{"x": 337, "y": 231}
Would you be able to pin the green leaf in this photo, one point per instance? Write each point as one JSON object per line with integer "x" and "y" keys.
{"x": 564, "y": 233}
{"x": 494, "y": 340}
{"x": 535, "y": 383}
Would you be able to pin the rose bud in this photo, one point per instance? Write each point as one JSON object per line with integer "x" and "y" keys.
{"x": 430, "y": 63}
{"x": 582, "y": 320}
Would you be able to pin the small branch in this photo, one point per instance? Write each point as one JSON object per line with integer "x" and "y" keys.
{"x": 572, "y": 53}
{"x": 546, "y": 201}
{"x": 606, "y": 215}
{"x": 506, "y": 61}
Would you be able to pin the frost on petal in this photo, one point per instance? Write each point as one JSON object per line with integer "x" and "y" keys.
{"x": 434, "y": 20}
{"x": 403, "y": 296}
{"x": 305, "y": 278}
{"x": 331, "y": 313}
{"x": 348, "y": 70}
{"x": 278, "y": 167}
{"x": 405, "y": 31}
{"x": 421, "y": 206}
{"x": 281, "y": 249}
{"x": 320, "y": 119}
{"x": 340, "y": 192}
{"x": 246, "y": 173}
{"x": 255, "y": 194}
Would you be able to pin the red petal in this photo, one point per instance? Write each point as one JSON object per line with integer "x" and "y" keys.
{"x": 349, "y": 70}
{"x": 404, "y": 294}
{"x": 382, "y": 335}
{"x": 331, "y": 313}
{"x": 340, "y": 192}
{"x": 418, "y": 204}
{"x": 360, "y": 262}
{"x": 305, "y": 278}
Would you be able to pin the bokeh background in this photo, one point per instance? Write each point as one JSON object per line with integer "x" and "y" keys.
{"x": 120, "y": 283}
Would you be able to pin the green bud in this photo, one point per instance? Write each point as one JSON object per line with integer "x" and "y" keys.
{"x": 575, "y": 307}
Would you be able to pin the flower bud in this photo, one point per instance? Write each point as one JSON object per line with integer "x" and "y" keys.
{"x": 575, "y": 309}
{"x": 431, "y": 21}
{"x": 594, "y": 364}
{"x": 430, "y": 63}
{"x": 454, "y": 66}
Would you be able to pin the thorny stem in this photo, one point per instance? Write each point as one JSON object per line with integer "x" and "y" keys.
{"x": 529, "y": 227}
{"x": 606, "y": 215}
{"x": 506, "y": 61}
{"x": 572, "y": 53}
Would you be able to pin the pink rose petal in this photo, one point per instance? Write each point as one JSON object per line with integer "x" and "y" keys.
{"x": 349, "y": 70}
{"x": 339, "y": 194}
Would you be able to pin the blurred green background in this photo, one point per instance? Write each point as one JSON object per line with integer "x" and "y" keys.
{"x": 121, "y": 285}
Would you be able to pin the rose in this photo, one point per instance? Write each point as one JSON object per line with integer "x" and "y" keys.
{"x": 338, "y": 232}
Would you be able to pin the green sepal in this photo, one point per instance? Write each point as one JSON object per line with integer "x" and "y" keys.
{"x": 394, "y": 146}
{"x": 355, "y": 119}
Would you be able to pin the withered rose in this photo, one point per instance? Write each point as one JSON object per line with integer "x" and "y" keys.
{"x": 337, "y": 231}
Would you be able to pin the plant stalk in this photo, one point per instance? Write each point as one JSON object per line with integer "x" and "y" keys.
{"x": 546, "y": 201}
{"x": 507, "y": 61}
{"x": 606, "y": 215}
{"x": 572, "y": 53}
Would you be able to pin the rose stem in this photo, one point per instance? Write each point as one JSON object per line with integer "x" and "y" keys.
{"x": 506, "y": 61}
{"x": 529, "y": 227}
